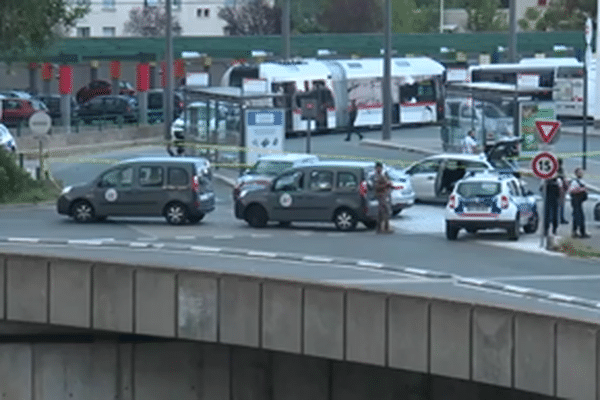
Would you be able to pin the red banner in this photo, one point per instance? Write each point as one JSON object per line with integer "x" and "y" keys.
{"x": 115, "y": 69}
{"x": 65, "y": 79}
{"x": 179, "y": 68}
{"x": 47, "y": 71}
{"x": 143, "y": 77}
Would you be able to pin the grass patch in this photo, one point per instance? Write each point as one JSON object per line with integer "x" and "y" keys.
{"x": 39, "y": 193}
{"x": 577, "y": 248}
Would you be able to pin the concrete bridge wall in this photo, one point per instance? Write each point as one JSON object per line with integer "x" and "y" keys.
{"x": 464, "y": 341}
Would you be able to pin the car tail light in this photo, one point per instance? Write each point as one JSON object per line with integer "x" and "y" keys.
{"x": 504, "y": 202}
{"x": 195, "y": 184}
{"x": 362, "y": 188}
{"x": 452, "y": 201}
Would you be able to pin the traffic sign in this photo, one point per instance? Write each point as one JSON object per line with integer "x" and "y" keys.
{"x": 547, "y": 129}
{"x": 544, "y": 165}
{"x": 40, "y": 123}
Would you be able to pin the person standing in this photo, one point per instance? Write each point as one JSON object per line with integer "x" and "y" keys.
{"x": 578, "y": 192}
{"x": 469, "y": 145}
{"x": 382, "y": 187}
{"x": 352, "y": 112}
{"x": 551, "y": 205}
{"x": 564, "y": 188}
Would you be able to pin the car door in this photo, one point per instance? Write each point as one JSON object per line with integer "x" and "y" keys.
{"x": 112, "y": 193}
{"x": 423, "y": 176}
{"x": 318, "y": 200}
{"x": 149, "y": 195}
{"x": 285, "y": 199}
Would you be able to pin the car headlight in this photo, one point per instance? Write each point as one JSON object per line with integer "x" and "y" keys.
{"x": 66, "y": 190}
{"x": 243, "y": 193}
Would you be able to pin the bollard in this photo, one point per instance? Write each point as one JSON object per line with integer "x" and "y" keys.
{"x": 21, "y": 160}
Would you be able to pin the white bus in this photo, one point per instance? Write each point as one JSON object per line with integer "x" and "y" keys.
{"x": 562, "y": 77}
{"x": 417, "y": 89}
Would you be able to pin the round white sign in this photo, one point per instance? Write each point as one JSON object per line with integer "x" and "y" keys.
{"x": 285, "y": 200}
{"x": 40, "y": 123}
{"x": 111, "y": 195}
{"x": 544, "y": 165}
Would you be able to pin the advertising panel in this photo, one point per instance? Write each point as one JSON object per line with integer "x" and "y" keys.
{"x": 265, "y": 132}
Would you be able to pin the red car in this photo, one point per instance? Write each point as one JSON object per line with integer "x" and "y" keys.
{"x": 98, "y": 88}
{"x": 16, "y": 111}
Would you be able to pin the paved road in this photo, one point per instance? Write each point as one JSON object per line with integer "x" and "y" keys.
{"x": 418, "y": 245}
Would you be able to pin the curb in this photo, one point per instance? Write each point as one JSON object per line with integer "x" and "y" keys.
{"x": 397, "y": 146}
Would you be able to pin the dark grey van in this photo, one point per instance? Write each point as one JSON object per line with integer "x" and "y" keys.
{"x": 323, "y": 191}
{"x": 180, "y": 189}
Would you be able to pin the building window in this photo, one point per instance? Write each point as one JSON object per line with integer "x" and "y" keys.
{"x": 109, "y": 31}
{"x": 203, "y": 12}
{"x": 83, "y": 31}
{"x": 206, "y": 12}
{"x": 108, "y": 4}
{"x": 199, "y": 12}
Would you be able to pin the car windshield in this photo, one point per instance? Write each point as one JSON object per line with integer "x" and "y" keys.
{"x": 270, "y": 167}
{"x": 474, "y": 189}
{"x": 396, "y": 175}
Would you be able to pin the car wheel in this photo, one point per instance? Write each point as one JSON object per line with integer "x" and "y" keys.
{"x": 82, "y": 211}
{"x": 256, "y": 216}
{"x": 176, "y": 213}
{"x": 532, "y": 224}
{"x": 194, "y": 219}
{"x": 370, "y": 224}
{"x": 514, "y": 230}
{"x": 451, "y": 231}
{"x": 344, "y": 220}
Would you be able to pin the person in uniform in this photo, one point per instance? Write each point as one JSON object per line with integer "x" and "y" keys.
{"x": 382, "y": 186}
{"x": 579, "y": 194}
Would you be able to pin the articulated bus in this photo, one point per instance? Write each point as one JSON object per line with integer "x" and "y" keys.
{"x": 417, "y": 89}
{"x": 562, "y": 77}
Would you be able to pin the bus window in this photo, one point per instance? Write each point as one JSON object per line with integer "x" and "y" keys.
{"x": 569, "y": 72}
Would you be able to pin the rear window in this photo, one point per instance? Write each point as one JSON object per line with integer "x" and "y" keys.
{"x": 473, "y": 189}
{"x": 269, "y": 167}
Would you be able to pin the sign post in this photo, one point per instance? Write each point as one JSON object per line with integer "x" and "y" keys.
{"x": 40, "y": 124}
{"x": 588, "y": 55}
{"x": 544, "y": 166}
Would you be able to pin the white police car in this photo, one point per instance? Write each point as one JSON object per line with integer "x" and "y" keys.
{"x": 489, "y": 200}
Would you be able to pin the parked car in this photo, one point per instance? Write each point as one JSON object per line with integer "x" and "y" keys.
{"x": 52, "y": 102}
{"x": 324, "y": 191}
{"x": 100, "y": 87}
{"x": 7, "y": 141}
{"x": 111, "y": 108}
{"x": 16, "y": 110}
{"x": 488, "y": 200}
{"x": 180, "y": 189}
{"x": 267, "y": 167}
{"x": 156, "y": 105}
{"x": 20, "y": 94}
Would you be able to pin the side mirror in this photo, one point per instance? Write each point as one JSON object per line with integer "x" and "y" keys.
{"x": 246, "y": 171}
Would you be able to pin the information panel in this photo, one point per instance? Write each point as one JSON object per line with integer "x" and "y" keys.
{"x": 265, "y": 132}
{"x": 529, "y": 113}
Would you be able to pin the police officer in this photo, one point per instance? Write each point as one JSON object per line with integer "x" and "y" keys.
{"x": 382, "y": 192}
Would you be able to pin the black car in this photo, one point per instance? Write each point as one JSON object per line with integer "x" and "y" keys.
{"x": 52, "y": 101}
{"x": 155, "y": 105}
{"x": 111, "y": 108}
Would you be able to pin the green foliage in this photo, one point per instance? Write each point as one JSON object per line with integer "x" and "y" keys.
{"x": 562, "y": 15}
{"x": 351, "y": 16}
{"x": 149, "y": 22}
{"x": 255, "y": 17}
{"x": 16, "y": 185}
{"x": 484, "y": 16}
{"x": 32, "y": 25}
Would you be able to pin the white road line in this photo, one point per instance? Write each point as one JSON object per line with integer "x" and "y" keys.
{"x": 24, "y": 240}
{"x": 158, "y": 245}
{"x": 302, "y": 233}
{"x": 262, "y": 254}
{"x": 488, "y": 290}
{"x": 223, "y": 237}
{"x": 471, "y": 281}
{"x": 317, "y": 259}
{"x": 88, "y": 242}
{"x": 260, "y": 235}
{"x": 545, "y": 278}
{"x": 561, "y": 297}
{"x": 372, "y": 264}
{"x": 417, "y": 271}
{"x": 138, "y": 244}
{"x": 185, "y": 237}
{"x": 517, "y": 289}
{"x": 372, "y": 281}
{"x": 205, "y": 249}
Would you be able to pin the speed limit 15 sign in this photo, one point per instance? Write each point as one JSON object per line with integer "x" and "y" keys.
{"x": 544, "y": 165}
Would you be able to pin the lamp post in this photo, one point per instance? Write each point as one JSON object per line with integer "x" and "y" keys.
{"x": 597, "y": 89}
{"x": 386, "y": 133}
{"x": 168, "y": 96}
{"x": 441, "y": 16}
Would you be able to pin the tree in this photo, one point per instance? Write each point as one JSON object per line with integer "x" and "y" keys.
{"x": 35, "y": 24}
{"x": 410, "y": 16}
{"x": 255, "y": 17}
{"x": 351, "y": 16}
{"x": 484, "y": 15}
{"x": 561, "y": 15}
{"x": 149, "y": 22}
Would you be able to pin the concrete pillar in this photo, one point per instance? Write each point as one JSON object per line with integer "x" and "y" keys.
{"x": 70, "y": 293}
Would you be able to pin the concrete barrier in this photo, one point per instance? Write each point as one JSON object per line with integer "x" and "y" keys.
{"x": 340, "y": 332}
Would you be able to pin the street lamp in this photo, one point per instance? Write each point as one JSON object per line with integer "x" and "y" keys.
{"x": 442, "y": 16}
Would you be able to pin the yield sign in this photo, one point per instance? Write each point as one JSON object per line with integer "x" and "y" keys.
{"x": 547, "y": 129}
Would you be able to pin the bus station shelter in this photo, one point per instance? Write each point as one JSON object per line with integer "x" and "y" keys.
{"x": 495, "y": 111}
{"x": 215, "y": 124}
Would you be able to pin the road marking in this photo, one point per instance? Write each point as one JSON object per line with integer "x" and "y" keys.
{"x": 223, "y": 237}
{"x": 317, "y": 259}
{"x": 372, "y": 264}
{"x": 262, "y": 254}
{"x": 260, "y": 235}
{"x": 517, "y": 289}
{"x": 488, "y": 290}
{"x": 185, "y": 237}
{"x": 561, "y": 297}
{"x": 373, "y": 281}
{"x": 546, "y": 278}
{"x": 303, "y": 233}
{"x": 24, "y": 240}
{"x": 90, "y": 242}
{"x": 205, "y": 249}
{"x": 138, "y": 244}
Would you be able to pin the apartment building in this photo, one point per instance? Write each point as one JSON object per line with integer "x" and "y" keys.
{"x": 107, "y": 17}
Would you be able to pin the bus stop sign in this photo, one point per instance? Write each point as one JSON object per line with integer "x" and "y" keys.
{"x": 547, "y": 129}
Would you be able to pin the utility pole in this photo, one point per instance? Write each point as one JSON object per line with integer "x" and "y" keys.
{"x": 386, "y": 133}
{"x": 168, "y": 95}
{"x": 285, "y": 29}
{"x": 441, "y": 16}
{"x": 512, "y": 16}
{"x": 597, "y": 89}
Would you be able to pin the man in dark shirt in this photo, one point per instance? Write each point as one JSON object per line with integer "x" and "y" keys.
{"x": 352, "y": 112}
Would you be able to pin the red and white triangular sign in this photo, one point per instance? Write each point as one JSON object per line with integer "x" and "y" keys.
{"x": 547, "y": 129}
